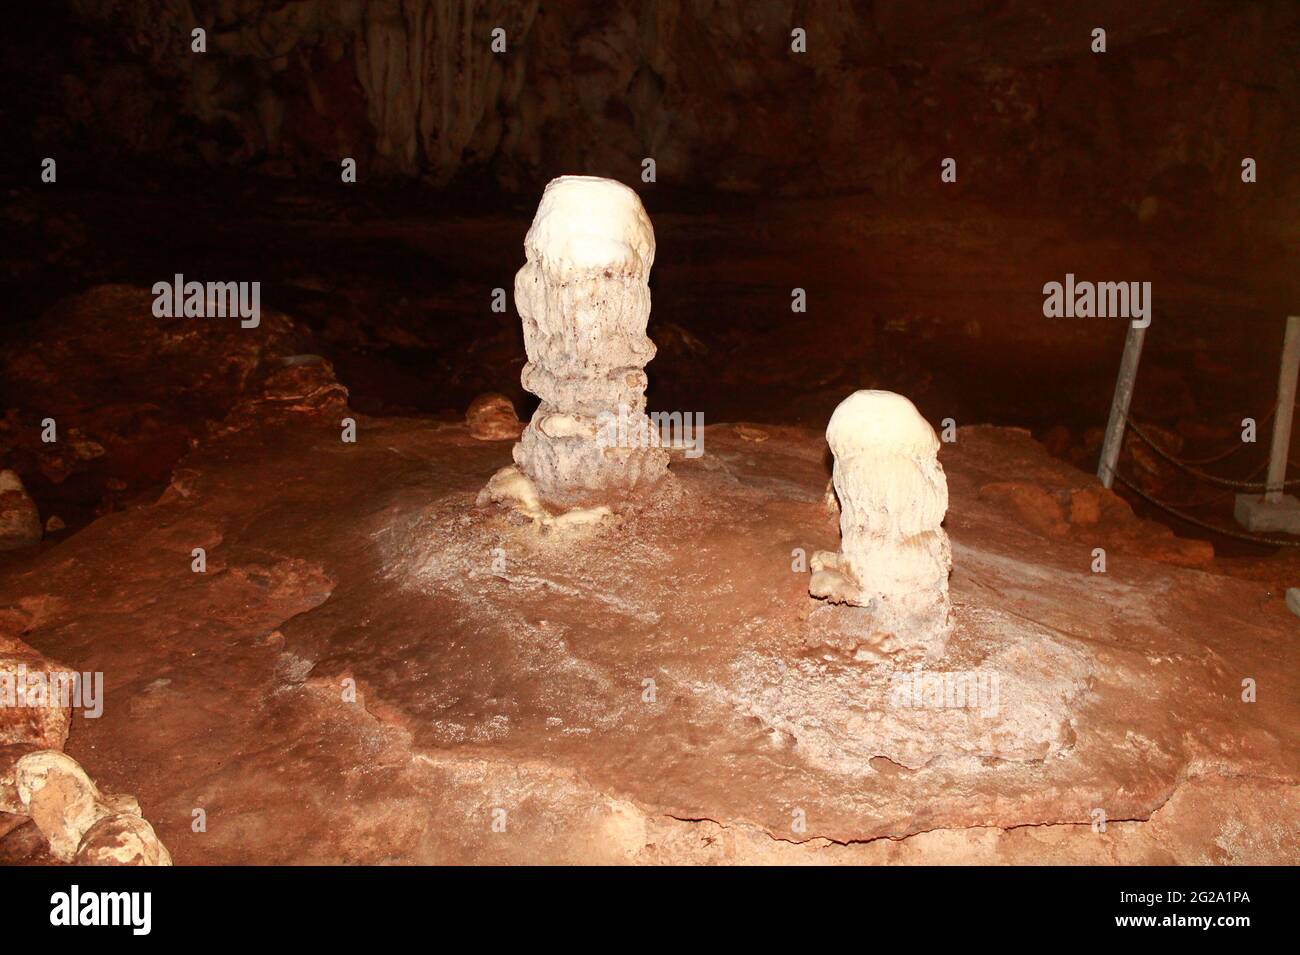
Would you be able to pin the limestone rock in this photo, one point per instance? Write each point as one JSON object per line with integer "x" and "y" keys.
{"x": 1037, "y": 508}
{"x": 129, "y": 392}
{"x": 25, "y": 717}
{"x": 39, "y": 781}
{"x": 60, "y": 798}
{"x": 79, "y": 822}
{"x": 20, "y": 523}
{"x": 511, "y": 487}
{"x": 122, "y": 839}
{"x": 105, "y": 347}
{"x": 491, "y": 417}
{"x": 291, "y": 386}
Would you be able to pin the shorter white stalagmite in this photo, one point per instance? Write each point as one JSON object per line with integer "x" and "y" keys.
{"x": 895, "y": 557}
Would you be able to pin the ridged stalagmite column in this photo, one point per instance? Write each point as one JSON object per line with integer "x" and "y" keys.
{"x": 584, "y": 298}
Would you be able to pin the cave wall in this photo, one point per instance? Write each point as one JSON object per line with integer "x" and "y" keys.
{"x": 711, "y": 90}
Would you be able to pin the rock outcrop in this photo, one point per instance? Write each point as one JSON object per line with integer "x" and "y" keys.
{"x": 715, "y": 93}
{"x": 20, "y": 522}
{"x": 491, "y": 417}
{"x": 38, "y": 781}
{"x": 114, "y": 395}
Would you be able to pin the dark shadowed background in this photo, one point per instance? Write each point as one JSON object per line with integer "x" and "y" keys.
{"x": 775, "y": 170}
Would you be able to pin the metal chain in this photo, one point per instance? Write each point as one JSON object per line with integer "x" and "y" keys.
{"x": 1197, "y": 522}
{"x": 1196, "y": 472}
{"x": 1233, "y": 449}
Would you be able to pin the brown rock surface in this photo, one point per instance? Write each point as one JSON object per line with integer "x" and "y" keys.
{"x": 43, "y": 726}
{"x": 40, "y": 783}
{"x": 372, "y": 668}
{"x": 20, "y": 522}
{"x": 105, "y": 346}
{"x": 1032, "y": 504}
{"x": 128, "y": 392}
{"x": 491, "y": 417}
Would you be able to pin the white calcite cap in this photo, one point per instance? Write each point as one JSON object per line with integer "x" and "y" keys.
{"x": 878, "y": 421}
{"x": 585, "y": 223}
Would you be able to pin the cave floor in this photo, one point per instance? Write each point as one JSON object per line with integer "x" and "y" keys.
{"x": 658, "y": 689}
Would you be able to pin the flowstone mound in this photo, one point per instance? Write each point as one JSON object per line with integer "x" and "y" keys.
{"x": 413, "y": 670}
{"x": 584, "y": 298}
{"x": 895, "y": 557}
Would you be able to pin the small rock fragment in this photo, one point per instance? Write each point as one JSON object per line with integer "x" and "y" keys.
{"x": 491, "y": 417}
{"x": 20, "y": 522}
{"x": 1032, "y": 504}
{"x": 60, "y": 798}
{"x": 78, "y": 821}
{"x": 122, "y": 839}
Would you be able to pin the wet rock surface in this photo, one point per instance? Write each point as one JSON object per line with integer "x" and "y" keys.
{"x": 371, "y": 667}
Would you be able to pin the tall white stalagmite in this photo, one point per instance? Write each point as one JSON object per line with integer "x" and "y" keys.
{"x": 895, "y": 557}
{"x": 584, "y": 298}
